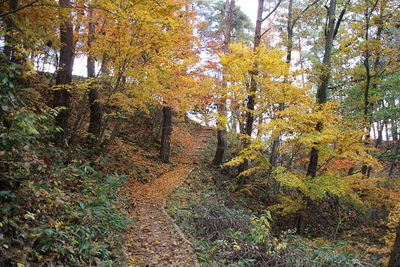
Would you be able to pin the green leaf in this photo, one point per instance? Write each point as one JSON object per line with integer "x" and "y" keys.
{"x": 7, "y": 193}
{"x": 81, "y": 205}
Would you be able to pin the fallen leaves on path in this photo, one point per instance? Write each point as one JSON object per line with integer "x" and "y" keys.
{"x": 154, "y": 240}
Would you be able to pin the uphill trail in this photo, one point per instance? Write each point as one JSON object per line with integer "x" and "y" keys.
{"x": 154, "y": 238}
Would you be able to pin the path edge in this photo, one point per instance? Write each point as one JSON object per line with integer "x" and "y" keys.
{"x": 178, "y": 229}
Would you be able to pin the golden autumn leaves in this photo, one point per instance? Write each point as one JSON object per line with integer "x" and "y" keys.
{"x": 286, "y": 109}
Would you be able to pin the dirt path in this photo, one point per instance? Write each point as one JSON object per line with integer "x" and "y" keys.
{"x": 155, "y": 239}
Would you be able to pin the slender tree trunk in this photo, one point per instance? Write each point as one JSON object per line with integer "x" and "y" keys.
{"x": 80, "y": 116}
{"x": 253, "y": 84}
{"x": 94, "y": 93}
{"x": 221, "y": 141}
{"x": 396, "y": 150}
{"x": 221, "y": 133}
{"x": 91, "y": 68}
{"x": 274, "y": 153}
{"x": 322, "y": 90}
{"x": 95, "y": 114}
{"x": 371, "y": 71}
{"x": 289, "y": 47}
{"x": 321, "y": 98}
{"x": 367, "y": 103}
{"x": 395, "y": 255}
{"x": 115, "y": 131}
{"x": 64, "y": 73}
{"x": 251, "y": 98}
{"x": 379, "y": 138}
{"x": 10, "y": 27}
{"x": 166, "y": 134}
{"x": 289, "y": 28}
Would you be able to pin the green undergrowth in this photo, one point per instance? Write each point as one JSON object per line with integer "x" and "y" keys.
{"x": 54, "y": 211}
{"x": 224, "y": 232}
{"x": 66, "y": 216}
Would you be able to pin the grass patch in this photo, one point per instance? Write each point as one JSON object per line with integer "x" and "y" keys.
{"x": 226, "y": 233}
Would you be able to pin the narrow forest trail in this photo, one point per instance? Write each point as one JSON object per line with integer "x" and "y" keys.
{"x": 154, "y": 239}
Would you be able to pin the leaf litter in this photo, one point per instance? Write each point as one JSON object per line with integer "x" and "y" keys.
{"x": 154, "y": 239}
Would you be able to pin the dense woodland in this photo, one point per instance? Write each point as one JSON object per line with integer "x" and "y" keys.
{"x": 305, "y": 105}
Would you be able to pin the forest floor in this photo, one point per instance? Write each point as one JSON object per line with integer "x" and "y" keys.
{"x": 154, "y": 239}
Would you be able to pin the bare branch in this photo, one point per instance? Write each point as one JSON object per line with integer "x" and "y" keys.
{"x": 341, "y": 18}
{"x": 18, "y": 9}
{"x": 273, "y": 10}
{"x": 265, "y": 32}
{"x": 304, "y": 11}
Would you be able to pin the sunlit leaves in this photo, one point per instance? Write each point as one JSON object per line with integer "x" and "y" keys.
{"x": 147, "y": 48}
{"x": 289, "y": 112}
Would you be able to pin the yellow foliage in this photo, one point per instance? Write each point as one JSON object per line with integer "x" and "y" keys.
{"x": 290, "y": 179}
{"x": 294, "y": 119}
{"x": 288, "y": 205}
{"x": 147, "y": 50}
{"x": 128, "y": 104}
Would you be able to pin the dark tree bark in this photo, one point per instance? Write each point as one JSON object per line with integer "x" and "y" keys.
{"x": 396, "y": 151}
{"x": 166, "y": 134}
{"x": 16, "y": 8}
{"x": 251, "y": 97}
{"x": 291, "y": 22}
{"x": 10, "y": 27}
{"x": 370, "y": 68}
{"x": 322, "y": 90}
{"x": 95, "y": 114}
{"x": 331, "y": 29}
{"x": 221, "y": 133}
{"x": 395, "y": 255}
{"x": 96, "y": 111}
{"x": 221, "y": 143}
{"x": 64, "y": 73}
{"x": 91, "y": 70}
{"x": 322, "y": 93}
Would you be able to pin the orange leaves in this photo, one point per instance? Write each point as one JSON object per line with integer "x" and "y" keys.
{"x": 342, "y": 163}
{"x": 155, "y": 239}
{"x": 181, "y": 139}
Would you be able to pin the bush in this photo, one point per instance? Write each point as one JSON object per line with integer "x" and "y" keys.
{"x": 225, "y": 233}
{"x": 70, "y": 218}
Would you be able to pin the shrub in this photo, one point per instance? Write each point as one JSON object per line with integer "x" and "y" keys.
{"x": 70, "y": 218}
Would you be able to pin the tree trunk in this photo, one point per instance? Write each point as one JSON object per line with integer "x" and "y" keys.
{"x": 289, "y": 47}
{"x": 274, "y": 154}
{"x": 91, "y": 70}
{"x": 94, "y": 94}
{"x": 115, "y": 131}
{"x": 95, "y": 114}
{"x": 395, "y": 255}
{"x": 322, "y": 90}
{"x": 10, "y": 27}
{"x": 251, "y": 98}
{"x": 64, "y": 73}
{"x": 166, "y": 134}
{"x": 370, "y": 74}
{"x": 221, "y": 133}
{"x": 396, "y": 150}
{"x": 221, "y": 141}
{"x": 321, "y": 98}
{"x": 79, "y": 119}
